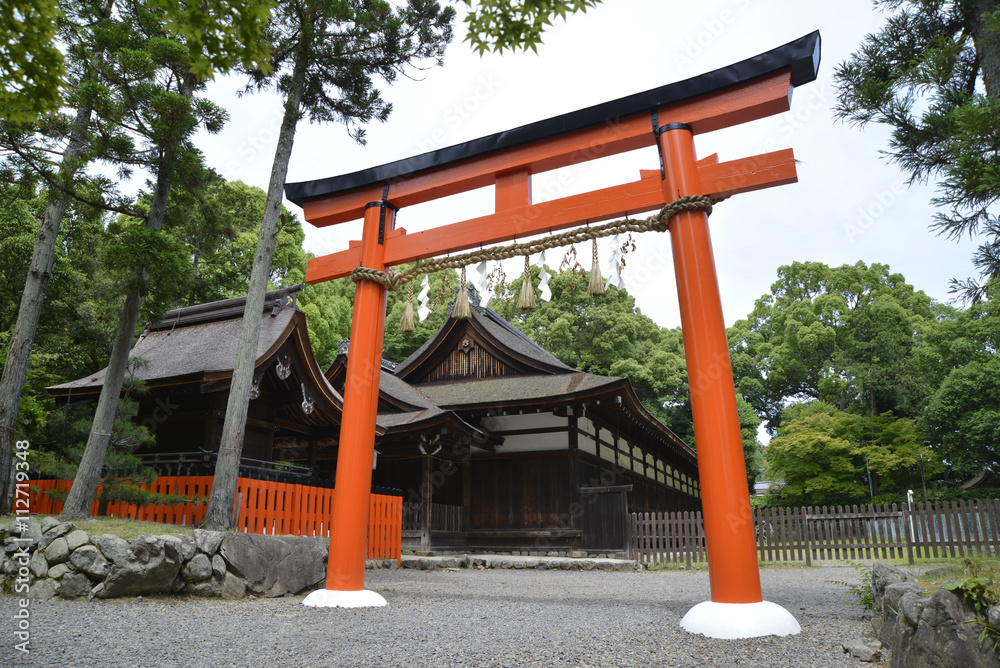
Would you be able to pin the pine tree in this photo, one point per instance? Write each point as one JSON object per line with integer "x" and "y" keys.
{"x": 326, "y": 54}
{"x": 154, "y": 86}
{"x": 932, "y": 74}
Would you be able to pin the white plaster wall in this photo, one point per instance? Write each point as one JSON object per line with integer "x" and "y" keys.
{"x": 532, "y": 442}
{"x": 527, "y": 421}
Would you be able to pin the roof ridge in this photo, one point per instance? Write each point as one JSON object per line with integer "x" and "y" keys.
{"x": 223, "y": 309}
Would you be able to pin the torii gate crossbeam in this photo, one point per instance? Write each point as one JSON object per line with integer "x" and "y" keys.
{"x": 666, "y": 117}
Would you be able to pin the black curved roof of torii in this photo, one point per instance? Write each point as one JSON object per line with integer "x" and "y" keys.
{"x": 801, "y": 55}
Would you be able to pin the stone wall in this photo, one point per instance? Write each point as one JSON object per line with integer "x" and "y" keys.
{"x": 49, "y": 558}
{"x": 940, "y": 631}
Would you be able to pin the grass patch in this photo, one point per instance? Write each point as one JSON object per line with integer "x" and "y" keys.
{"x": 678, "y": 566}
{"x": 121, "y": 527}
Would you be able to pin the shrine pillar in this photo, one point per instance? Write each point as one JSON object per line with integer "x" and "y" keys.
{"x": 737, "y": 608}
{"x": 345, "y": 575}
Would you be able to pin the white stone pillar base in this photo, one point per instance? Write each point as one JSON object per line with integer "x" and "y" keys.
{"x": 330, "y": 598}
{"x": 740, "y": 620}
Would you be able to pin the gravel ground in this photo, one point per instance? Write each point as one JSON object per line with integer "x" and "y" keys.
{"x": 447, "y": 618}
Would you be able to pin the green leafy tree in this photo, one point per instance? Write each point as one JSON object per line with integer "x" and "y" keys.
{"x": 219, "y": 224}
{"x": 398, "y": 345}
{"x": 826, "y": 455}
{"x": 962, "y": 418}
{"x": 495, "y": 25}
{"x": 77, "y": 152}
{"x": 326, "y": 55}
{"x": 29, "y": 91}
{"x": 932, "y": 75}
{"x": 753, "y": 453}
{"x": 31, "y": 64}
{"x": 814, "y": 455}
{"x": 33, "y": 71}
{"x": 830, "y": 334}
{"x": 155, "y": 90}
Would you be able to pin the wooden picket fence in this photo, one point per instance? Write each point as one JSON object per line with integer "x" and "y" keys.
{"x": 932, "y": 530}
{"x": 263, "y": 506}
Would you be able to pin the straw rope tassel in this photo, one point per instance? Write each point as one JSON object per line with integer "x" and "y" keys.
{"x": 527, "y": 298}
{"x": 596, "y": 286}
{"x": 406, "y": 322}
{"x": 462, "y": 309}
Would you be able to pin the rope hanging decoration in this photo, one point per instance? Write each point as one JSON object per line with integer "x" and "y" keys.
{"x": 406, "y": 322}
{"x": 462, "y": 310}
{"x": 527, "y": 298}
{"x": 596, "y": 286}
{"x": 391, "y": 279}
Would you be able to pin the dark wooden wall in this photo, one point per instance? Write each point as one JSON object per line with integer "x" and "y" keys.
{"x": 515, "y": 491}
{"x": 646, "y": 496}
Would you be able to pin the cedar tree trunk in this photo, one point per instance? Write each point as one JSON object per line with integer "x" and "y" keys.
{"x": 219, "y": 513}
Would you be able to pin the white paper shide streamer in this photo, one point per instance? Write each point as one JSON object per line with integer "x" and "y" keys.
{"x": 612, "y": 269}
{"x": 543, "y": 275}
{"x": 482, "y": 283}
{"x": 424, "y": 309}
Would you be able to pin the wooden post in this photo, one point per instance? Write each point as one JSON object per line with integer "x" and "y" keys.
{"x": 426, "y": 509}
{"x": 733, "y": 571}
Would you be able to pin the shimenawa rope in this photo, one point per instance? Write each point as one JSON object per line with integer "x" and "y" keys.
{"x": 392, "y": 279}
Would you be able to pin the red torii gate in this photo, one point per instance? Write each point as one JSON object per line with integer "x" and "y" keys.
{"x": 667, "y": 117}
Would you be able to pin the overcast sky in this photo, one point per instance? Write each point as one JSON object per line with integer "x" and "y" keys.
{"x": 849, "y": 203}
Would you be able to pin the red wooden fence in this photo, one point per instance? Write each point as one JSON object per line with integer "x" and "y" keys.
{"x": 265, "y": 507}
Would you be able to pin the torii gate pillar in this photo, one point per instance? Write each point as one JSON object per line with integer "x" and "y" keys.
{"x": 345, "y": 572}
{"x": 749, "y": 90}
{"x": 729, "y": 530}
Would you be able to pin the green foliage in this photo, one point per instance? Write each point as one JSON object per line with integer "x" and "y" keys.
{"x": 496, "y": 26}
{"x": 932, "y": 74}
{"x": 962, "y": 418}
{"x": 825, "y": 455}
{"x": 218, "y": 35}
{"x": 831, "y": 334}
{"x": 753, "y": 454}
{"x": 398, "y": 345}
{"x": 218, "y": 226}
{"x": 981, "y": 585}
{"x": 860, "y": 591}
{"x": 330, "y": 52}
{"x": 31, "y": 64}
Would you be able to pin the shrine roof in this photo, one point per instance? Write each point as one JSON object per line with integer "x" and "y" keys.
{"x": 198, "y": 343}
{"x": 515, "y": 389}
{"x": 801, "y": 56}
{"x": 504, "y": 333}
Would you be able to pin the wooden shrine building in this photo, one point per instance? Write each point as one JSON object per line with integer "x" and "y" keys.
{"x": 188, "y": 368}
{"x": 495, "y": 443}
{"x": 527, "y": 453}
